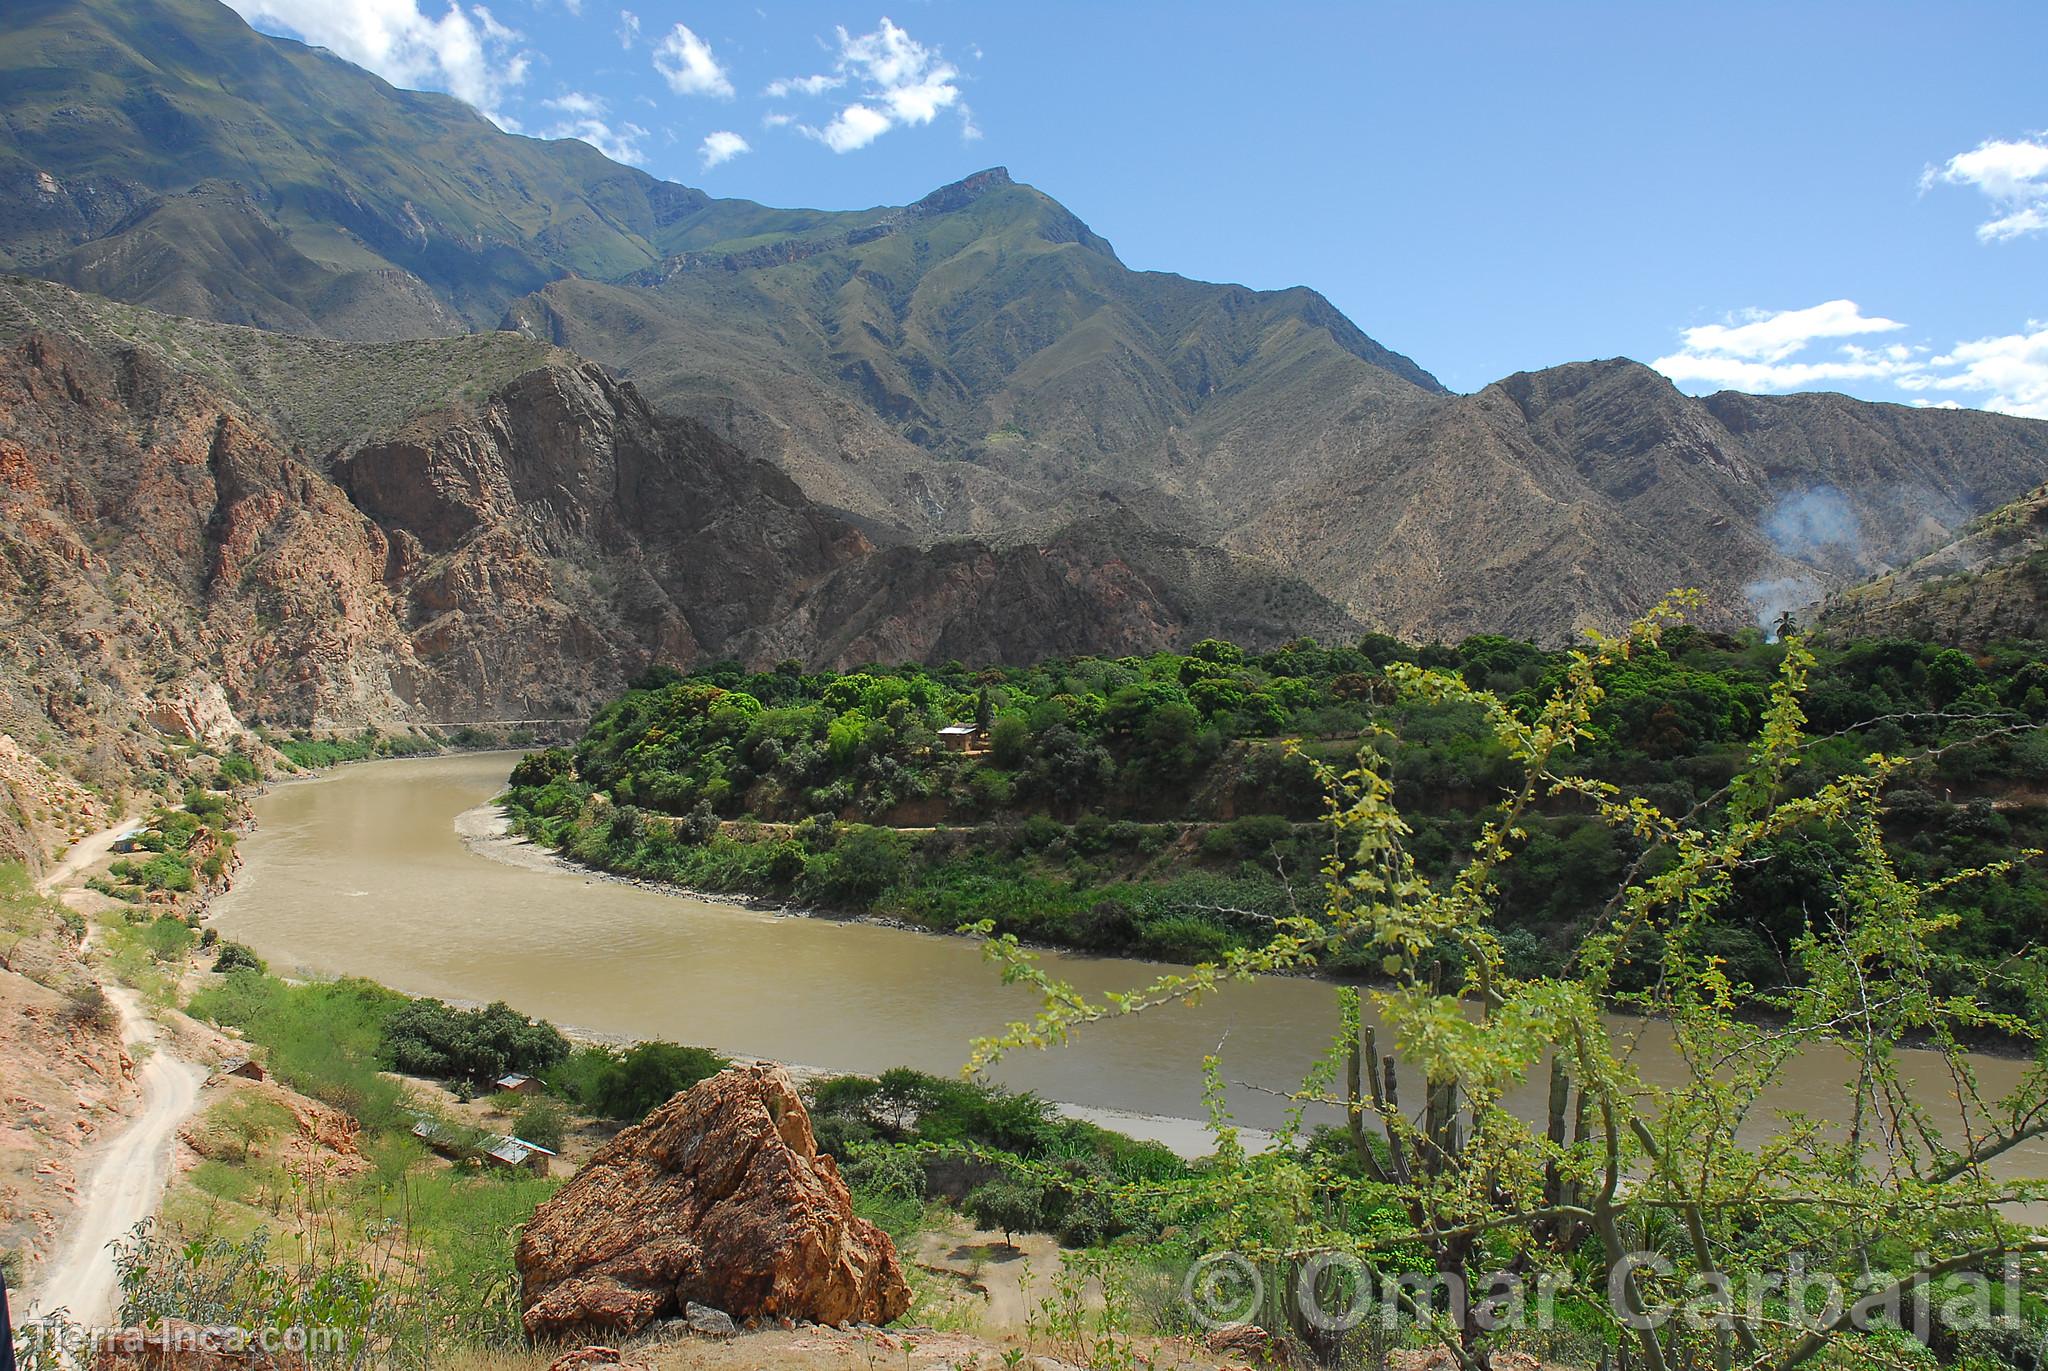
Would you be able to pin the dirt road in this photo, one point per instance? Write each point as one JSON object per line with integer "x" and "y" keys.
{"x": 130, "y": 1172}
{"x": 84, "y": 853}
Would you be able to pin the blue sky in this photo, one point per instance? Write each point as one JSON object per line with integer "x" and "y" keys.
{"x": 1762, "y": 197}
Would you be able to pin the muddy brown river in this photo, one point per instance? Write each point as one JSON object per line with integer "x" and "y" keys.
{"x": 387, "y": 870}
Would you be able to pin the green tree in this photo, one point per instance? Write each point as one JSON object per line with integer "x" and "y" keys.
{"x": 430, "y": 1038}
{"x": 646, "y": 1075}
{"x": 1008, "y": 1206}
{"x": 542, "y": 1120}
{"x": 250, "y": 1119}
{"x": 1895, "y": 1203}
{"x": 1010, "y": 741}
{"x": 544, "y": 767}
{"x": 235, "y": 957}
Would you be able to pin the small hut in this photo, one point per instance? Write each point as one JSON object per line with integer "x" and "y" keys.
{"x": 517, "y": 1154}
{"x": 517, "y": 1084}
{"x": 968, "y": 739}
{"x": 248, "y": 1068}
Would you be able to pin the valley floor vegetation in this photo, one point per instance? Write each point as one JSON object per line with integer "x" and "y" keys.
{"x": 312, "y": 752}
{"x": 1681, "y": 1220}
{"x": 1170, "y": 805}
{"x": 1773, "y": 849}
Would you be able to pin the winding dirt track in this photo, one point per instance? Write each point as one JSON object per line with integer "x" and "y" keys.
{"x": 129, "y": 1175}
{"x": 84, "y": 853}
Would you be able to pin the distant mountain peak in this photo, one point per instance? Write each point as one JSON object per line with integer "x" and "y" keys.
{"x": 965, "y": 191}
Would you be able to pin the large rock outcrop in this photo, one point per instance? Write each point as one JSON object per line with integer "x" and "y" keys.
{"x": 720, "y": 1197}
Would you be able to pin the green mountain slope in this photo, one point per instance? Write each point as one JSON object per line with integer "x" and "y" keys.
{"x": 950, "y": 365}
{"x": 979, "y": 362}
{"x": 326, "y": 198}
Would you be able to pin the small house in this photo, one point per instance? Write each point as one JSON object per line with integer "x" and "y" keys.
{"x": 517, "y": 1154}
{"x": 248, "y": 1068}
{"x": 964, "y": 738}
{"x": 517, "y": 1084}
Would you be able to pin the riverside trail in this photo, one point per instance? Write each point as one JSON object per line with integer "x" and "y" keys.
{"x": 129, "y": 1174}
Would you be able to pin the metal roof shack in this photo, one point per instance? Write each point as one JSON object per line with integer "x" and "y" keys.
{"x": 964, "y": 738}
{"x": 518, "y": 1083}
{"x": 519, "y": 1154}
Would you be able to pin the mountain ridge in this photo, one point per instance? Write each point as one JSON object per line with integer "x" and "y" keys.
{"x": 977, "y": 364}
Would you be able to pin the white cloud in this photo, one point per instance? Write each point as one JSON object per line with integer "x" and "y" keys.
{"x": 2011, "y": 371}
{"x": 802, "y": 85}
{"x": 911, "y": 80}
{"x": 584, "y": 118}
{"x": 901, "y": 83}
{"x": 465, "y": 51}
{"x": 852, "y": 128}
{"x": 1763, "y": 352}
{"x": 629, "y": 29}
{"x": 576, "y": 102}
{"x": 2013, "y": 176}
{"x": 1773, "y": 335}
{"x": 721, "y": 147}
{"x": 775, "y": 119}
{"x": 1731, "y": 373}
{"x": 1755, "y": 351}
{"x": 687, "y": 63}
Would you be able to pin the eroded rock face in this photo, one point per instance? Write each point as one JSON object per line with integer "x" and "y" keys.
{"x": 719, "y": 1197}
{"x": 183, "y": 566}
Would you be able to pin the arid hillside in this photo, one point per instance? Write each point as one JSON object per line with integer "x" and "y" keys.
{"x": 1989, "y": 583}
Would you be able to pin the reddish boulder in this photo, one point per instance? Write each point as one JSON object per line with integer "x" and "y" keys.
{"x": 719, "y": 1197}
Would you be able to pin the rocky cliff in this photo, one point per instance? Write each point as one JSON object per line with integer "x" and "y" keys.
{"x": 176, "y": 559}
{"x": 1598, "y": 486}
